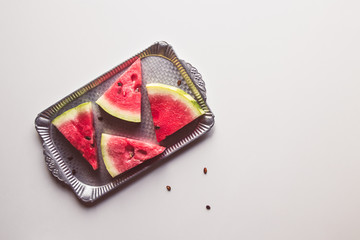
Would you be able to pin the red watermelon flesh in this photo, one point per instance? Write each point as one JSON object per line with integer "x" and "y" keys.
{"x": 77, "y": 126}
{"x": 121, "y": 154}
{"x": 123, "y": 98}
{"x": 171, "y": 108}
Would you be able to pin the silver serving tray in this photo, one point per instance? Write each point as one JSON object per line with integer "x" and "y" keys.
{"x": 159, "y": 64}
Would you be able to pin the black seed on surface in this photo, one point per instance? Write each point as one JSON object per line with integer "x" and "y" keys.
{"x": 100, "y": 118}
{"x": 179, "y": 82}
{"x": 157, "y": 127}
{"x": 87, "y": 138}
{"x": 119, "y": 84}
{"x": 168, "y": 188}
{"x": 205, "y": 170}
{"x": 208, "y": 207}
{"x": 73, "y": 171}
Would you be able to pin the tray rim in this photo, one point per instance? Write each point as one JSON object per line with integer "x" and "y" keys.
{"x": 59, "y": 169}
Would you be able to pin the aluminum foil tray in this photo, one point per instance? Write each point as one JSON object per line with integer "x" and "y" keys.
{"x": 159, "y": 64}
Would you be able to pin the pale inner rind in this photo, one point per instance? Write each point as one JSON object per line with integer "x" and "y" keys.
{"x": 72, "y": 113}
{"x": 176, "y": 93}
{"x": 117, "y": 112}
{"x": 106, "y": 157}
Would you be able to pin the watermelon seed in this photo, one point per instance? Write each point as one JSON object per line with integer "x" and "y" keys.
{"x": 73, "y": 172}
{"x": 168, "y": 188}
{"x": 119, "y": 84}
{"x": 131, "y": 150}
{"x": 179, "y": 82}
{"x": 205, "y": 170}
{"x": 137, "y": 87}
{"x": 208, "y": 207}
{"x": 133, "y": 77}
{"x": 87, "y": 138}
{"x": 143, "y": 152}
{"x": 100, "y": 118}
{"x": 157, "y": 127}
{"x": 92, "y": 145}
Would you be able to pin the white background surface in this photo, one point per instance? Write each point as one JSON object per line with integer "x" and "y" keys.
{"x": 282, "y": 78}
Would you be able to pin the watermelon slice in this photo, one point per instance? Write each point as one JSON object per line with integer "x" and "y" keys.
{"x": 171, "y": 108}
{"x": 77, "y": 126}
{"x": 121, "y": 154}
{"x": 123, "y": 98}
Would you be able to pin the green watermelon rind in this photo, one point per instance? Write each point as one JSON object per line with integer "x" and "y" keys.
{"x": 72, "y": 113}
{"x": 118, "y": 112}
{"x": 159, "y": 88}
{"x": 106, "y": 157}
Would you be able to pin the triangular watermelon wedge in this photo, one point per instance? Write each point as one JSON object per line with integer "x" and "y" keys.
{"x": 123, "y": 98}
{"x": 171, "y": 108}
{"x": 121, "y": 154}
{"x": 77, "y": 126}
